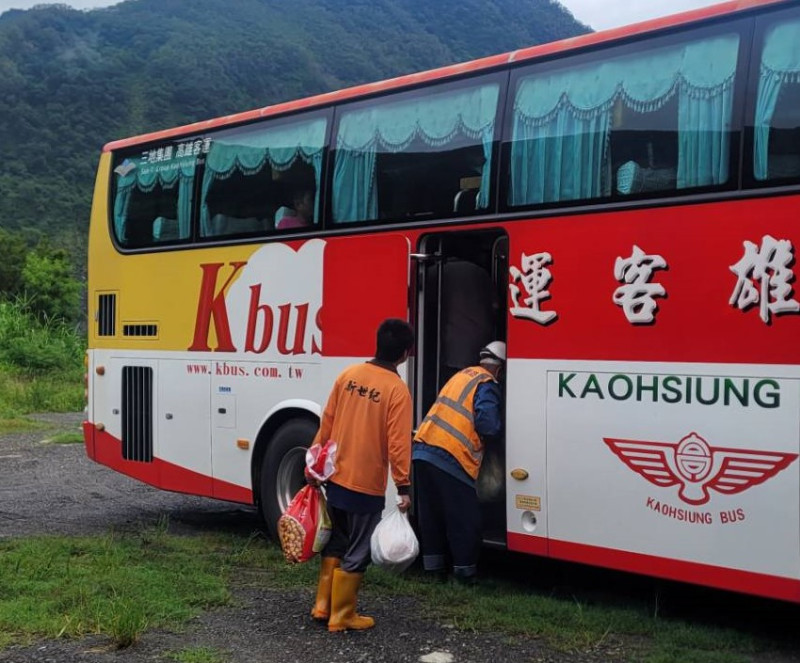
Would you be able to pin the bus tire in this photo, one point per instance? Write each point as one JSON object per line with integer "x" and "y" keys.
{"x": 282, "y": 469}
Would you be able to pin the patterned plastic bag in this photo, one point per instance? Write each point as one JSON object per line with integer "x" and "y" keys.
{"x": 297, "y": 527}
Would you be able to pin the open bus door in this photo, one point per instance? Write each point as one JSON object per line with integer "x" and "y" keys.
{"x": 461, "y": 306}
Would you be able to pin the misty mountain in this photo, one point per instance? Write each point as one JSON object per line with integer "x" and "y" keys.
{"x": 70, "y": 81}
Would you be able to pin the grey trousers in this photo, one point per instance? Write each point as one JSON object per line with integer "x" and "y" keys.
{"x": 350, "y": 539}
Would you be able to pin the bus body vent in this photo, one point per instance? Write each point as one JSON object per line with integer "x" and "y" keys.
{"x": 106, "y": 315}
{"x": 137, "y": 413}
{"x": 140, "y": 330}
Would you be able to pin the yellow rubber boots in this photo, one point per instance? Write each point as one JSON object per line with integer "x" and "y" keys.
{"x": 343, "y": 603}
{"x": 322, "y": 606}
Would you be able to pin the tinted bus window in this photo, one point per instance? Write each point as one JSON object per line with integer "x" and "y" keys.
{"x": 776, "y": 134}
{"x": 153, "y": 192}
{"x": 423, "y": 154}
{"x": 262, "y": 178}
{"x": 654, "y": 120}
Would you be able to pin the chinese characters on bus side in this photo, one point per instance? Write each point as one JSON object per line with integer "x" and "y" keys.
{"x": 187, "y": 149}
{"x": 769, "y": 267}
{"x": 534, "y": 277}
{"x": 637, "y": 295}
{"x": 764, "y": 277}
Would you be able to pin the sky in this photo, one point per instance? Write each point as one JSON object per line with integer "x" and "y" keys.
{"x": 598, "y": 14}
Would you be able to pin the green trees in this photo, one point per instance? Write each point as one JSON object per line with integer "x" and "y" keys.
{"x": 14, "y": 253}
{"x": 49, "y": 286}
{"x": 71, "y": 81}
{"x": 42, "y": 278}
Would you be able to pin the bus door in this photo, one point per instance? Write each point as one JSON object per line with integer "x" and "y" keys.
{"x": 460, "y": 308}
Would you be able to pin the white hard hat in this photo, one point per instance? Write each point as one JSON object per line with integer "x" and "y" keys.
{"x": 493, "y": 353}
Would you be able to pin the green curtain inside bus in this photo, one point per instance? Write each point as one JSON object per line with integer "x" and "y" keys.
{"x": 138, "y": 174}
{"x": 780, "y": 66}
{"x": 436, "y": 119}
{"x": 562, "y": 119}
{"x": 250, "y": 152}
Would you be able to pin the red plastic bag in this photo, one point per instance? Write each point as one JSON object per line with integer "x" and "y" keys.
{"x": 297, "y": 527}
{"x": 321, "y": 460}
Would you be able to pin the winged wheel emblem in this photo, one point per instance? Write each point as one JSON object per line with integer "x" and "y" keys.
{"x": 697, "y": 467}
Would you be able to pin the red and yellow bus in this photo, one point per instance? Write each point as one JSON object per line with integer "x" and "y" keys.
{"x": 627, "y": 205}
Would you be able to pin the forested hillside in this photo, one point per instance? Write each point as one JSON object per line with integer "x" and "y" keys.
{"x": 71, "y": 81}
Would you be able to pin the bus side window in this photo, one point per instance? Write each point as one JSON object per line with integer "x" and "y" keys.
{"x": 148, "y": 215}
{"x": 652, "y": 120}
{"x": 405, "y": 157}
{"x": 776, "y": 133}
{"x": 152, "y": 208}
{"x": 253, "y": 172}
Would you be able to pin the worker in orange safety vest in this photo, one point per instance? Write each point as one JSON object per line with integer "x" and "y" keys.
{"x": 447, "y": 454}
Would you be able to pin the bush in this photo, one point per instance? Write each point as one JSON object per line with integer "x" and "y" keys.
{"x": 41, "y": 363}
{"x": 36, "y": 347}
{"x": 48, "y": 283}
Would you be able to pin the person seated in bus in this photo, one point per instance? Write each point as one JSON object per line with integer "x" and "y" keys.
{"x": 300, "y": 214}
{"x": 446, "y": 456}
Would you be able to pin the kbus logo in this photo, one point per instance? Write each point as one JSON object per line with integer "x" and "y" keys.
{"x": 255, "y": 306}
{"x": 697, "y": 467}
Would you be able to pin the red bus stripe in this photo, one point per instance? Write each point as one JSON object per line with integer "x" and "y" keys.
{"x": 760, "y": 584}
{"x": 159, "y": 473}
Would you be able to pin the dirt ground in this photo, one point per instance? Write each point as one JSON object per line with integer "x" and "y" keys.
{"x": 46, "y": 488}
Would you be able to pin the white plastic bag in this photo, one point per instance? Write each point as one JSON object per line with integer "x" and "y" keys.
{"x": 394, "y": 545}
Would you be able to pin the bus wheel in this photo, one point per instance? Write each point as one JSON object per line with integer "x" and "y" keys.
{"x": 282, "y": 469}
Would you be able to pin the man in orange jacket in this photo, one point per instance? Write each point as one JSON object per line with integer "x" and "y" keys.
{"x": 447, "y": 455}
{"x": 368, "y": 414}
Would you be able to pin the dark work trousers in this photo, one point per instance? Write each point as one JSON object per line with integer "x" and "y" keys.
{"x": 449, "y": 520}
{"x": 350, "y": 539}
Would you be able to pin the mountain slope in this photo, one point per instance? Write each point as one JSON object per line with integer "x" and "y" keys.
{"x": 71, "y": 81}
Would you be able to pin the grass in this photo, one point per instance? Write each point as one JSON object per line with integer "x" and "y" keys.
{"x": 41, "y": 365}
{"x": 65, "y": 438}
{"x": 116, "y": 585}
{"x": 122, "y": 585}
{"x": 22, "y": 394}
{"x": 197, "y": 655}
{"x": 19, "y": 425}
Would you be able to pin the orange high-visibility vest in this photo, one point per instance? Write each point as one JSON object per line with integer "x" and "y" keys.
{"x": 450, "y": 423}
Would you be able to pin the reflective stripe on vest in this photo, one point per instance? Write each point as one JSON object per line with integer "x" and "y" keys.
{"x": 450, "y": 422}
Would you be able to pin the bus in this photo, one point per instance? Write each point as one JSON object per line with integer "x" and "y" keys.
{"x": 630, "y": 202}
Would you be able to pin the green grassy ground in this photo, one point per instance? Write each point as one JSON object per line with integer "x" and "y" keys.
{"x": 122, "y": 585}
